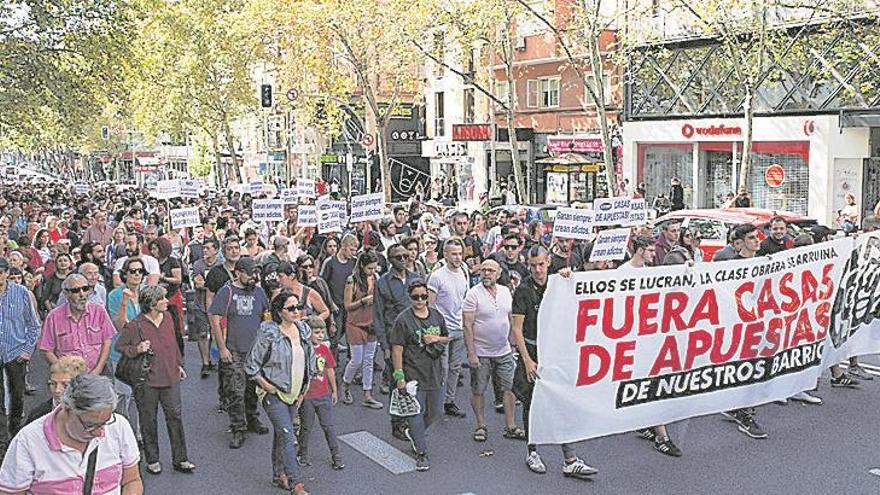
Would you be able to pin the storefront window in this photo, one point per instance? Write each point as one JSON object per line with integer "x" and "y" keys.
{"x": 659, "y": 163}
{"x": 792, "y": 195}
{"x": 557, "y": 188}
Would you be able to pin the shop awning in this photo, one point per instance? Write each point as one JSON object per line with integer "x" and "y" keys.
{"x": 148, "y": 161}
{"x": 569, "y": 162}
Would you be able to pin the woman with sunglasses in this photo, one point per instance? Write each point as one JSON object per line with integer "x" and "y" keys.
{"x": 282, "y": 362}
{"x": 359, "y": 331}
{"x": 153, "y": 331}
{"x": 690, "y": 240}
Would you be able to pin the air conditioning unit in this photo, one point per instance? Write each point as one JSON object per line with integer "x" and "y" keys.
{"x": 520, "y": 43}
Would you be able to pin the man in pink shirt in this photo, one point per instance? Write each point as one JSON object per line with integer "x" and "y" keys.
{"x": 78, "y": 328}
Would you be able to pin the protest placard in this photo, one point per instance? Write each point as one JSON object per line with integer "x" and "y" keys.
{"x": 610, "y": 245}
{"x": 612, "y": 211}
{"x": 81, "y": 188}
{"x": 289, "y": 196}
{"x": 638, "y": 213}
{"x": 573, "y": 223}
{"x": 185, "y": 217}
{"x": 305, "y": 188}
{"x": 168, "y": 189}
{"x": 307, "y": 216}
{"x": 267, "y": 210}
{"x": 328, "y": 215}
{"x": 632, "y": 348}
{"x": 367, "y": 207}
{"x": 189, "y": 188}
{"x": 256, "y": 188}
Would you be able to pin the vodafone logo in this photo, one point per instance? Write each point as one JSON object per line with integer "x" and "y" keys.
{"x": 809, "y": 127}
{"x": 688, "y": 130}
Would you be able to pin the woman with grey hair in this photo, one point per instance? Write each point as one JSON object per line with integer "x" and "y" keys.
{"x": 153, "y": 331}
{"x": 84, "y": 422}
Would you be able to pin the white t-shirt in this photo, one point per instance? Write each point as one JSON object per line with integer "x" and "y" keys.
{"x": 450, "y": 286}
{"x": 37, "y": 462}
{"x": 492, "y": 319}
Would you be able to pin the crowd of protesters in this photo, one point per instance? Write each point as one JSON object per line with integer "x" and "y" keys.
{"x": 273, "y": 309}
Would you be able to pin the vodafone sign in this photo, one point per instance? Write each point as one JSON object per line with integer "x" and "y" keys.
{"x": 689, "y": 130}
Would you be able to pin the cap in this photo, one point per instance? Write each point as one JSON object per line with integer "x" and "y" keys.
{"x": 280, "y": 242}
{"x": 246, "y": 264}
{"x": 4, "y": 263}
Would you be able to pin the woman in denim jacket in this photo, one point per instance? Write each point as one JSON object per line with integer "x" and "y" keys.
{"x": 282, "y": 362}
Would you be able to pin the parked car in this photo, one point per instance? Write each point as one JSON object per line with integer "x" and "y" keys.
{"x": 713, "y": 224}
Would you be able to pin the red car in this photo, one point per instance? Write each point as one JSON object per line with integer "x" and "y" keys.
{"x": 713, "y": 224}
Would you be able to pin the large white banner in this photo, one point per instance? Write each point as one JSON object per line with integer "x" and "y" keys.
{"x": 855, "y": 316}
{"x": 637, "y": 347}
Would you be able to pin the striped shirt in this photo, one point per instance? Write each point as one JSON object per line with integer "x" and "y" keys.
{"x": 19, "y": 323}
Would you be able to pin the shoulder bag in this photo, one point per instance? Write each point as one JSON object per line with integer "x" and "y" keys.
{"x": 134, "y": 371}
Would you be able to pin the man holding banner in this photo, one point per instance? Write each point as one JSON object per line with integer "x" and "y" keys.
{"x": 526, "y": 301}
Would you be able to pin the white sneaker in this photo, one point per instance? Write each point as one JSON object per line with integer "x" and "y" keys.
{"x": 805, "y": 397}
{"x": 535, "y": 464}
{"x": 577, "y": 469}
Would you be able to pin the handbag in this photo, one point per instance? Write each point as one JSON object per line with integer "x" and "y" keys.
{"x": 133, "y": 371}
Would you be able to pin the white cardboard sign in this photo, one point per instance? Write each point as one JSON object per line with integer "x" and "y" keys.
{"x": 307, "y": 216}
{"x": 168, "y": 189}
{"x": 81, "y": 188}
{"x": 267, "y": 210}
{"x": 189, "y": 188}
{"x": 638, "y": 213}
{"x": 305, "y": 188}
{"x": 185, "y": 217}
{"x": 610, "y": 245}
{"x": 612, "y": 211}
{"x": 367, "y": 207}
{"x": 573, "y": 223}
{"x": 256, "y": 187}
{"x": 289, "y": 196}
{"x": 328, "y": 215}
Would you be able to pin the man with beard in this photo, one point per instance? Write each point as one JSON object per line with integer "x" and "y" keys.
{"x": 526, "y": 301}
{"x": 242, "y": 303}
{"x": 78, "y": 328}
{"x": 97, "y": 292}
{"x": 217, "y": 277}
{"x": 133, "y": 249}
{"x": 390, "y": 299}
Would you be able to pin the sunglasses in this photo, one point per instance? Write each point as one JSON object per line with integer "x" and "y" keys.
{"x": 419, "y": 297}
{"x": 400, "y": 257}
{"x": 77, "y": 290}
{"x": 511, "y": 246}
{"x": 137, "y": 271}
{"x": 292, "y": 308}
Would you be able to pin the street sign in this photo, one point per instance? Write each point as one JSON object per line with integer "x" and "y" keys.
{"x": 292, "y": 94}
{"x": 774, "y": 175}
{"x": 367, "y": 140}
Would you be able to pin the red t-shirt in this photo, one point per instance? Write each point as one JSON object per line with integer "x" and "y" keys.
{"x": 320, "y": 386}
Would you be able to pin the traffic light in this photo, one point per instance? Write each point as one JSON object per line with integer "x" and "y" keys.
{"x": 266, "y": 95}
{"x": 105, "y": 132}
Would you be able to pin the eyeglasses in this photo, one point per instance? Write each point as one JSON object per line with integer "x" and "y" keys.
{"x": 77, "y": 290}
{"x": 136, "y": 271}
{"x": 292, "y": 307}
{"x": 90, "y": 427}
{"x": 511, "y": 246}
{"x": 305, "y": 267}
{"x": 419, "y": 297}
{"x": 400, "y": 257}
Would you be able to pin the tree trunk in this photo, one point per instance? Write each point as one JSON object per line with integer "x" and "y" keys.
{"x": 218, "y": 162}
{"x": 608, "y": 148}
{"x": 230, "y": 143}
{"x": 745, "y": 169}
{"x": 384, "y": 165}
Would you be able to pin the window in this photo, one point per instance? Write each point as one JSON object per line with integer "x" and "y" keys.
{"x": 606, "y": 89}
{"x": 502, "y": 91}
{"x": 527, "y": 24}
{"x": 469, "y": 103}
{"x": 549, "y": 92}
{"x": 439, "y": 113}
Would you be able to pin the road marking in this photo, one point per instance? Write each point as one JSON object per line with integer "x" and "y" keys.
{"x": 875, "y": 471}
{"x": 380, "y": 451}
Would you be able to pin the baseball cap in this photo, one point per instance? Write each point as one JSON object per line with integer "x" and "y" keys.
{"x": 246, "y": 264}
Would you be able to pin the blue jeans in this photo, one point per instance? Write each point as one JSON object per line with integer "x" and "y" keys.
{"x": 284, "y": 439}
{"x": 321, "y": 407}
{"x": 432, "y": 405}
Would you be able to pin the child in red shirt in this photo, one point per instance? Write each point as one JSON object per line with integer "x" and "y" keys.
{"x": 320, "y": 399}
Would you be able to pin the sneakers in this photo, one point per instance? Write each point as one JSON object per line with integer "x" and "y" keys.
{"x": 807, "y": 398}
{"x": 336, "y": 462}
{"x": 844, "y": 381}
{"x": 422, "y": 462}
{"x": 535, "y": 464}
{"x": 346, "y": 394}
{"x": 664, "y": 445}
{"x": 859, "y": 372}
{"x": 237, "y": 440}
{"x": 452, "y": 410}
{"x": 577, "y": 469}
{"x": 749, "y": 426}
{"x": 206, "y": 371}
{"x": 499, "y": 407}
{"x": 648, "y": 434}
{"x": 372, "y": 403}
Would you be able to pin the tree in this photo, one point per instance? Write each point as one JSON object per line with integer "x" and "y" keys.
{"x": 193, "y": 73}
{"x": 489, "y": 28}
{"x": 59, "y": 68}
{"x": 338, "y": 53}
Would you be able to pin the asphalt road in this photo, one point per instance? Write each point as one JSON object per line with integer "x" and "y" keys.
{"x": 810, "y": 450}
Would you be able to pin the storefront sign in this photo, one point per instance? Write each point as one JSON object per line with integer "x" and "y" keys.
{"x": 774, "y": 175}
{"x": 450, "y": 149}
{"x": 566, "y": 144}
{"x": 689, "y": 130}
{"x": 471, "y": 132}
